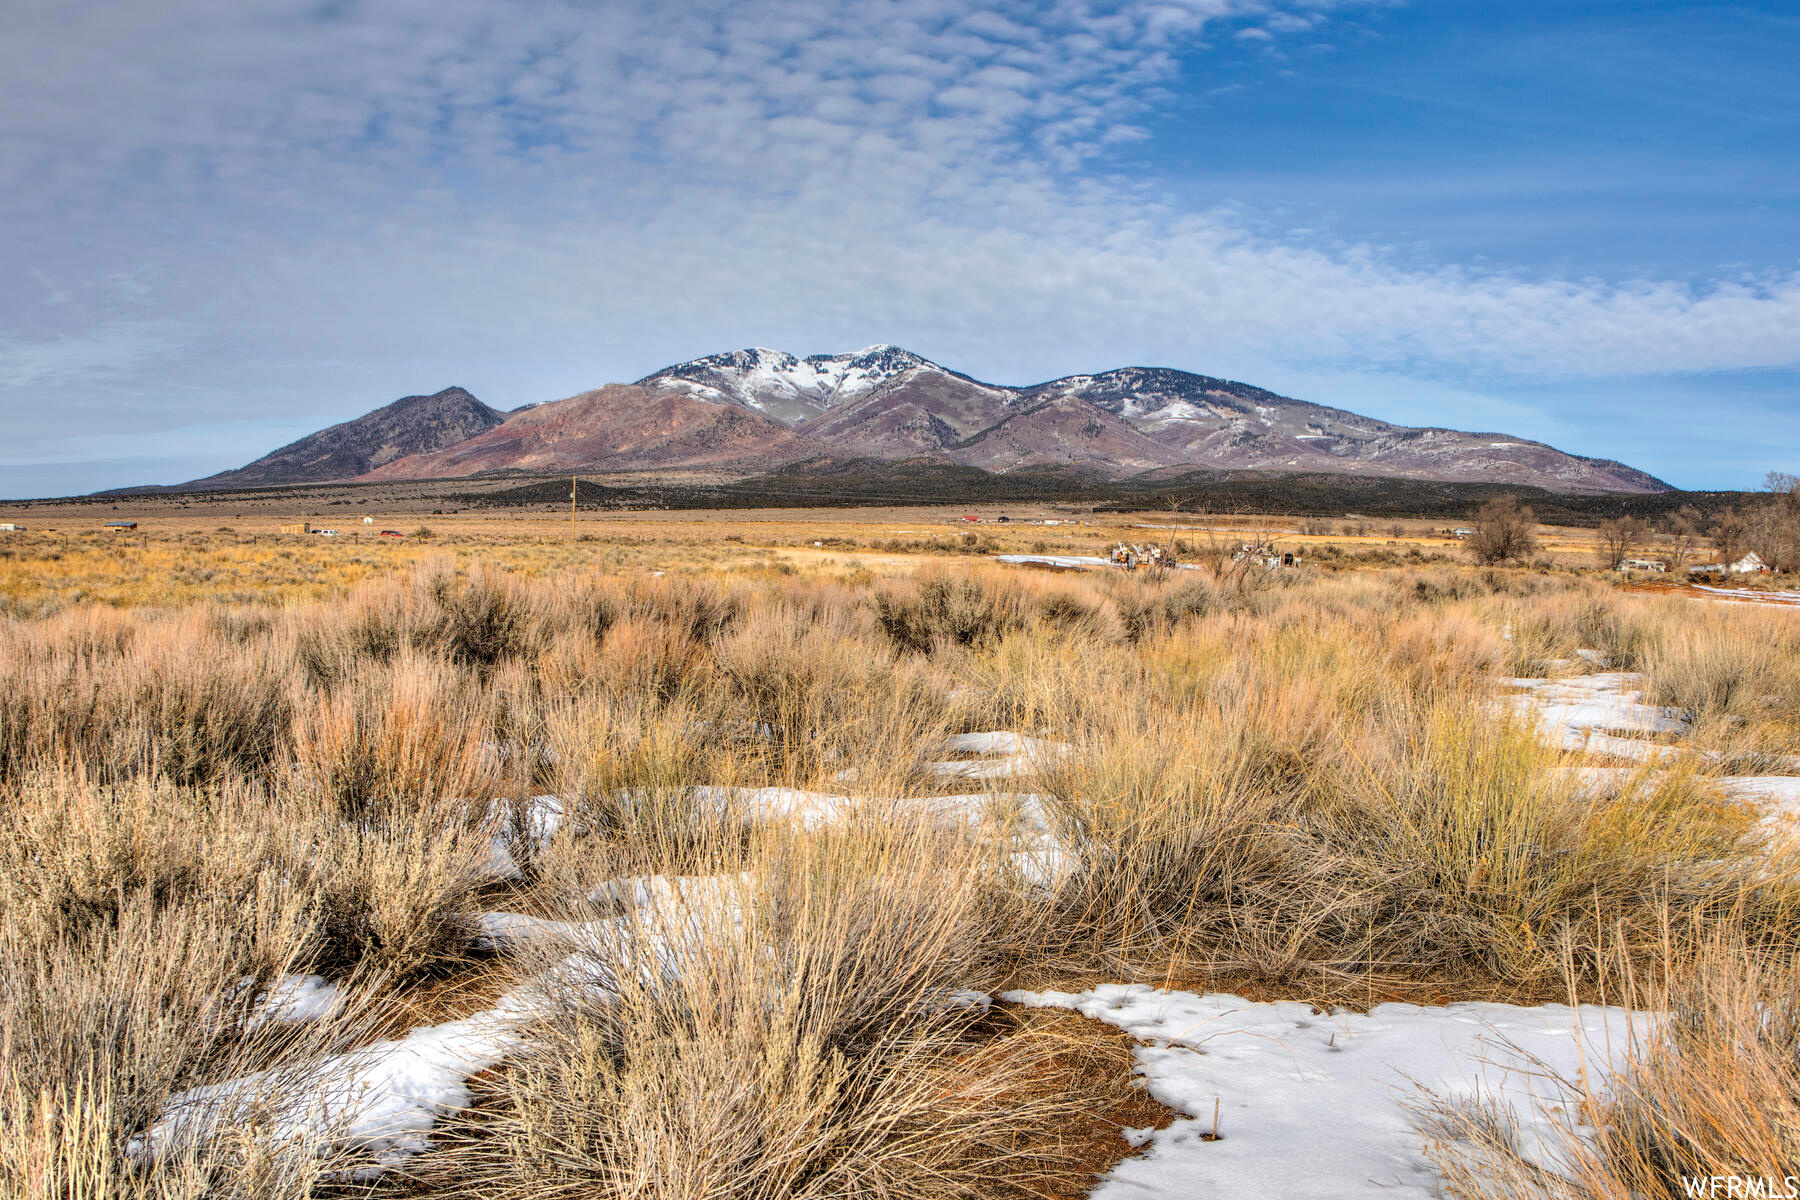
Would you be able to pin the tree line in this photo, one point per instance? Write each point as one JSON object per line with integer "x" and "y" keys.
{"x": 1768, "y": 526}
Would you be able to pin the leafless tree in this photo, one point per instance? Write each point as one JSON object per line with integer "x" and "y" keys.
{"x": 1618, "y": 538}
{"x": 1730, "y": 535}
{"x": 1681, "y": 536}
{"x": 1504, "y": 529}
{"x": 1774, "y": 524}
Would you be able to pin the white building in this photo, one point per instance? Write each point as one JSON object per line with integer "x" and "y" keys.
{"x": 1750, "y": 564}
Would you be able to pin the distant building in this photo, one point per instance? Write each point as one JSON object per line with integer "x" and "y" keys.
{"x": 1265, "y": 555}
{"x": 1750, "y": 564}
{"x": 121, "y": 526}
{"x": 9, "y": 527}
{"x": 298, "y": 527}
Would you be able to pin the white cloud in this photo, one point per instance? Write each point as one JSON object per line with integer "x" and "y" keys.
{"x": 331, "y": 210}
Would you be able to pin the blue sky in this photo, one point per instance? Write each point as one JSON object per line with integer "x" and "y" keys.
{"x": 227, "y": 225}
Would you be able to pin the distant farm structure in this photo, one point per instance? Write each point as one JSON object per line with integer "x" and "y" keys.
{"x": 1265, "y": 555}
{"x": 297, "y": 527}
{"x": 121, "y": 526}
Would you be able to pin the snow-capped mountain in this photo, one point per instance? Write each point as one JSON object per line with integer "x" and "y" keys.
{"x": 748, "y": 410}
{"x": 783, "y": 387}
{"x": 888, "y": 402}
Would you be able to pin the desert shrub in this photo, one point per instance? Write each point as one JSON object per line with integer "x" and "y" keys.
{"x": 391, "y": 897}
{"x": 368, "y": 627}
{"x": 70, "y": 851}
{"x": 788, "y": 1038}
{"x": 396, "y": 736}
{"x": 103, "y": 1023}
{"x": 942, "y": 608}
{"x": 475, "y": 619}
{"x": 173, "y": 699}
{"x": 1738, "y": 670}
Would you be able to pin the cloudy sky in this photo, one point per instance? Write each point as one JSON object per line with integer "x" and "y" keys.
{"x": 225, "y": 223}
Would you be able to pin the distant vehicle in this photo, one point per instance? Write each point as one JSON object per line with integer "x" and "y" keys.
{"x": 393, "y": 533}
{"x": 326, "y": 532}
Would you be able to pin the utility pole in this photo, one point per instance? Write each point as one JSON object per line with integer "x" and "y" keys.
{"x": 572, "y": 481}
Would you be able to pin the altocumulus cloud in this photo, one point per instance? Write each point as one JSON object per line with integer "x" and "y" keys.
{"x": 224, "y": 209}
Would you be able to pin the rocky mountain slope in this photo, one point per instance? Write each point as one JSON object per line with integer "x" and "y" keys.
{"x": 615, "y": 428}
{"x": 887, "y": 402}
{"x": 409, "y": 426}
{"x": 754, "y": 409}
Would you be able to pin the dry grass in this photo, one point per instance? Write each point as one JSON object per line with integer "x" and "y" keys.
{"x": 1297, "y": 788}
{"x": 1712, "y": 1095}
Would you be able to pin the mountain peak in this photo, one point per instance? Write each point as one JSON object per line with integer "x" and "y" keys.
{"x": 782, "y": 386}
{"x": 410, "y": 425}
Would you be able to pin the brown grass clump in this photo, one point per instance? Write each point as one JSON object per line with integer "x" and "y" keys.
{"x": 796, "y": 1034}
{"x": 1713, "y": 1094}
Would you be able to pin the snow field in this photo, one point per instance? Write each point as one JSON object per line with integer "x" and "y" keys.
{"x": 1313, "y": 1105}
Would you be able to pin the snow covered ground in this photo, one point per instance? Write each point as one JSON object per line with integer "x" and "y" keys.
{"x": 1308, "y": 1104}
{"x": 1749, "y": 595}
{"x": 378, "y": 1102}
{"x": 1073, "y": 562}
{"x": 1590, "y": 712}
{"x": 1316, "y": 1106}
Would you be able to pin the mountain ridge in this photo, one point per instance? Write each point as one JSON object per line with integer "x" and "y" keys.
{"x": 409, "y": 426}
{"x": 757, "y": 408}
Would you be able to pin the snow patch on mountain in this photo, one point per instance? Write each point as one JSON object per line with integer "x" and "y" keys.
{"x": 783, "y": 386}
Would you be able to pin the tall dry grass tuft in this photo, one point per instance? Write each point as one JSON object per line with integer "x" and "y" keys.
{"x": 175, "y": 698}
{"x": 941, "y": 608}
{"x": 1712, "y": 1093}
{"x": 796, "y": 1033}
{"x": 399, "y": 736}
{"x": 392, "y": 897}
{"x": 100, "y": 1025}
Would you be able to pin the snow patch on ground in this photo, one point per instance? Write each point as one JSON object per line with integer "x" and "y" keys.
{"x": 1313, "y": 1105}
{"x": 1591, "y": 712}
{"x": 1751, "y": 595}
{"x": 1610, "y": 701}
{"x": 295, "y": 1000}
{"x": 378, "y": 1102}
{"x": 1073, "y": 562}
